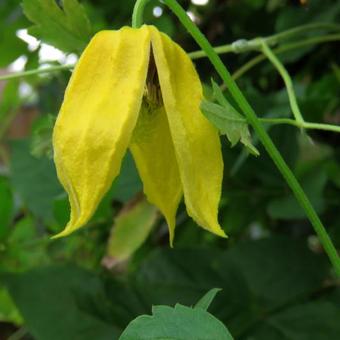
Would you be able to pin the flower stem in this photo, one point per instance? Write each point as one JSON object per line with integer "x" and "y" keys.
{"x": 36, "y": 71}
{"x": 218, "y": 49}
{"x": 286, "y": 78}
{"x": 301, "y": 29}
{"x": 302, "y": 125}
{"x": 137, "y": 14}
{"x": 255, "y": 44}
{"x": 261, "y": 132}
{"x": 284, "y": 48}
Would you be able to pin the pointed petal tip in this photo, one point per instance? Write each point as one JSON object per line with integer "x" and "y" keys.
{"x": 171, "y": 222}
{"x": 60, "y": 235}
{"x": 220, "y": 232}
{"x": 215, "y": 229}
{"x": 70, "y": 228}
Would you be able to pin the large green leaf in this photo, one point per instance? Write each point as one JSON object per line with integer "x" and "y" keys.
{"x": 278, "y": 270}
{"x": 8, "y": 310}
{"x": 260, "y": 280}
{"x": 128, "y": 183}
{"x": 314, "y": 320}
{"x": 255, "y": 277}
{"x": 34, "y": 180}
{"x": 53, "y": 301}
{"x": 66, "y": 28}
{"x": 287, "y": 207}
{"x": 11, "y": 20}
{"x": 178, "y": 323}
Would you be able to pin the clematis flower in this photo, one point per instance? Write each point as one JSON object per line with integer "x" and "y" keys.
{"x": 137, "y": 89}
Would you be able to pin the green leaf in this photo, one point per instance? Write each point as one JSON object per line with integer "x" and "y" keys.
{"x": 24, "y": 248}
{"x": 317, "y": 320}
{"x": 130, "y": 230}
{"x": 8, "y": 310}
{"x": 178, "y": 323}
{"x": 54, "y": 303}
{"x": 336, "y": 70}
{"x": 9, "y": 100}
{"x": 278, "y": 270}
{"x": 287, "y": 207}
{"x": 35, "y": 180}
{"x": 66, "y": 28}
{"x": 257, "y": 277}
{"x": 128, "y": 183}
{"x": 11, "y": 47}
{"x": 6, "y": 207}
{"x": 41, "y": 144}
{"x": 206, "y": 300}
{"x": 230, "y": 122}
{"x": 11, "y": 20}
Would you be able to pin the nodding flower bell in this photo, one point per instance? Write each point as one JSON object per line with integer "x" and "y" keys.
{"x": 137, "y": 89}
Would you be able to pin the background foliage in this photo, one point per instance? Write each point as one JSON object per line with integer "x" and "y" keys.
{"x": 276, "y": 282}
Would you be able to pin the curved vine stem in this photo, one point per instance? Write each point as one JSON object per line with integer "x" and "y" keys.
{"x": 137, "y": 14}
{"x": 284, "y": 48}
{"x": 261, "y": 132}
{"x": 287, "y": 80}
{"x": 36, "y": 71}
{"x": 300, "y": 30}
{"x": 255, "y": 44}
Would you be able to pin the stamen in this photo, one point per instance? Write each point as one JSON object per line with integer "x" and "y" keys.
{"x": 152, "y": 92}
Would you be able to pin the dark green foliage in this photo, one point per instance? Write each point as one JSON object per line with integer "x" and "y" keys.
{"x": 34, "y": 180}
{"x": 11, "y": 46}
{"x": 50, "y": 300}
{"x": 249, "y": 303}
{"x": 275, "y": 280}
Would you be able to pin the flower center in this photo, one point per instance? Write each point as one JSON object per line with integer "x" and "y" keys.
{"x": 152, "y": 93}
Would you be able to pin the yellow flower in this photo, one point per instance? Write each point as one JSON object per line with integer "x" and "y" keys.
{"x": 137, "y": 89}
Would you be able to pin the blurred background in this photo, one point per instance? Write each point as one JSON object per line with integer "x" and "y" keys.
{"x": 277, "y": 282}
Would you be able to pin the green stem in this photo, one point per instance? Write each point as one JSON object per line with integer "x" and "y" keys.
{"x": 301, "y": 29}
{"x": 218, "y": 49}
{"x": 302, "y": 125}
{"x": 262, "y": 134}
{"x": 255, "y": 44}
{"x": 36, "y": 71}
{"x": 286, "y": 78}
{"x": 137, "y": 14}
{"x": 293, "y": 122}
{"x": 256, "y": 60}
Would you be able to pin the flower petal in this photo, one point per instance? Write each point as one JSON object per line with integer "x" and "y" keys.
{"x": 196, "y": 141}
{"x": 97, "y": 118}
{"x": 154, "y": 154}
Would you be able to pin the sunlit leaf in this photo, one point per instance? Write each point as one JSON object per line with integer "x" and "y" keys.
{"x": 130, "y": 230}
{"x": 66, "y": 27}
{"x": 180, "y": 322}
